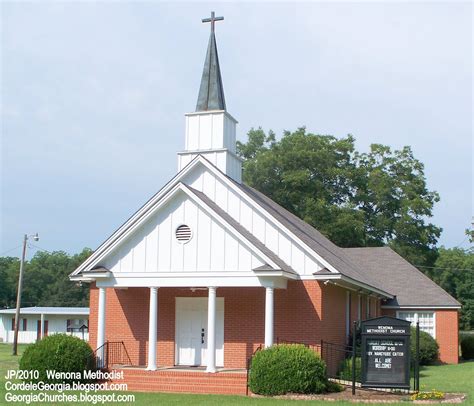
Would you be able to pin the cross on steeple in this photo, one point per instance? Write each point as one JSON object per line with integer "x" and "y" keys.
{"x": 212, "y": 20}
{"x": 211, "y": 91}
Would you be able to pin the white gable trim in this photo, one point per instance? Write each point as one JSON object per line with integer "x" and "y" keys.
{"x": 170, "y": 186}
{"x": 132, "y": 226}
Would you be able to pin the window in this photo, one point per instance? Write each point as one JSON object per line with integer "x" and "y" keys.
{"x": 76, "y": 324}
{"x": 426, "y": 320}
{"x": 21, "y": 327}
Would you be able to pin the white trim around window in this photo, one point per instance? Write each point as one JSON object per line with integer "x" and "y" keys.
{"x": 427, "y": 320}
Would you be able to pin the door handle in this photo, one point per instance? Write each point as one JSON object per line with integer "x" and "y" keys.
{"x": 202, "y": 336}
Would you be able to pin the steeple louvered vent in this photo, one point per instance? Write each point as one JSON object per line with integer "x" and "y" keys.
{"x": 183, "y": 233}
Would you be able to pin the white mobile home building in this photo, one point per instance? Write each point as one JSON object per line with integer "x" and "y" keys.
{"x": 38, "y": 322}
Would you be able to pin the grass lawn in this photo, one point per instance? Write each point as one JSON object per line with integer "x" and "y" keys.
{"x": 447, "y": 378}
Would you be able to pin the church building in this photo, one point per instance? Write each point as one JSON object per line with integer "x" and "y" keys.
{"x": 209, "y": 269}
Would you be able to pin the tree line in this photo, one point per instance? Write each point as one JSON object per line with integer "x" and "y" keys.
{"x": 45, "y": 280}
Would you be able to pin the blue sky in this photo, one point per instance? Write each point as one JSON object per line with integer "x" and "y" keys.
{"x": 93, "y": 97}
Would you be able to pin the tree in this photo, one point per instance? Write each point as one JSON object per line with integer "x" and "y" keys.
{"x": 355, "y": 199}
{"x": 9, "y": 266}
{"x": 454, "y": 272}
{"x": 46, "y": 280}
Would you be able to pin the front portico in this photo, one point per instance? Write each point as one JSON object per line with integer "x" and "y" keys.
{"x": 189, "y": 326}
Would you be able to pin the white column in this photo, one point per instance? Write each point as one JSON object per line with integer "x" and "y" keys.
{"x": 211, "y": 331}
{"x": 268, "y": 317}
{"x": 42, "y": 326}
{"x": 152, "y": 329}
{"x": 101, "y": 325}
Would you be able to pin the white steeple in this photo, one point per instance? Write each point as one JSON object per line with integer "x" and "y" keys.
{"x": 210, "y": 130}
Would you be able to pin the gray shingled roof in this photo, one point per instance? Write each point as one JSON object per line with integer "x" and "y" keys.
{"x": 388, "y": 269}
{"x": 246, "y": 234}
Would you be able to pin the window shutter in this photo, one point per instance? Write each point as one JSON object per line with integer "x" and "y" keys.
{"x": 13, "y": 324}
{"x": 24, "y": 324}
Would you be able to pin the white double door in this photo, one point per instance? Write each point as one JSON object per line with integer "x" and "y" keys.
{"x": 191, "y": 331}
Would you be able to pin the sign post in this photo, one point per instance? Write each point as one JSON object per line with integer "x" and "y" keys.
{"x": 385, "y": 353}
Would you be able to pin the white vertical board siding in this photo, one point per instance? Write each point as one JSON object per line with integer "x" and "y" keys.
{"x": 204, "y": 244}
{"x": 209, "y": 130}
{"x": 190, "y": 216}
{"x": 209, "y": 185}
{"x": 218, "y": 247}
{"x": 212, "y": 246}
{"x": 229, "y": 133}
{"x": 271, "y": 237}
{"x": 205, "y": 131}
{"x": 164, "y": 228}
{"x": 245, "y": 215}
{"x": 177, "y": 248}
{"x": 151, "y": 252}
{"x": 263, "y": 227}
{"x": 192, "y": 135}
{"x": 284, "y": 248}
{"x": 217, "y": 131}
{"x": 231, "y": 245}
{"x": 258, "y": 226}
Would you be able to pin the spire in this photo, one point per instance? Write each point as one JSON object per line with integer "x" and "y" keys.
{"x": 211, "y": 91}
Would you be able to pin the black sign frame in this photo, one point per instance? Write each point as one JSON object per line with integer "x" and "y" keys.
{"x": 387, "y": 330}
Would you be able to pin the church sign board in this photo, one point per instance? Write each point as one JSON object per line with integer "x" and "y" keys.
{"x": 385, "y": 353}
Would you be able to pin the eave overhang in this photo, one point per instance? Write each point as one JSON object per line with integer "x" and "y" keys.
{"x": 422, "y": 307}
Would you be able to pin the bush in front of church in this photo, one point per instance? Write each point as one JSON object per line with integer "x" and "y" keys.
{"x": 60, "y": 353}
{"x": 429, "y": 349}
{"x": 287, "y": 368}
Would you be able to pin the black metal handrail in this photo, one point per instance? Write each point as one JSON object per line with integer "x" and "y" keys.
{"x": 110, "y": 353}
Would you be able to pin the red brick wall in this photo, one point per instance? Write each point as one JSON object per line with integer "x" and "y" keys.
{"x": 447, "y": 333}
{"x": 307, "y": 311}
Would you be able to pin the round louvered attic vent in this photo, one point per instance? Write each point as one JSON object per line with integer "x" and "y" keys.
{"x": 183, "y": 233}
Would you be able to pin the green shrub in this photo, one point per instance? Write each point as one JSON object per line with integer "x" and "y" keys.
{"x": 60, "y": 353}
{"x": 345, "y": 369}
{"x": 428, "y": 348}
{"x": 287, "y": 368}
{"x": 467, "y": 346}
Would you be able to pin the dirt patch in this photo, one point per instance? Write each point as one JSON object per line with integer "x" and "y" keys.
{"x": 371, "y": 396}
